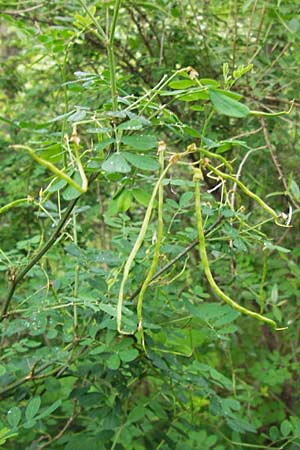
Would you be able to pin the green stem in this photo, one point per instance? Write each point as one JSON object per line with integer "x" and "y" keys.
{"x": 112, "y": 75}
{"x": 109, "y": 44}
{"x": 17, "y": 278}
{"x": 76, "y": 278}
{"x": 205, "y": 262}
{"x": 114, "y": 22}
{"x": 100, "y": 32}
{"x": 262, "y": 282}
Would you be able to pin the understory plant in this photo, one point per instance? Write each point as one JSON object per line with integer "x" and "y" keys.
{"x": 146, "y": 265}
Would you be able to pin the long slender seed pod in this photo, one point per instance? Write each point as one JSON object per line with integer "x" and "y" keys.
{"x": 216, "y": 156}
{"x": 59, "y": 173}
{"x": 205, "y": 262}
{"x": 18, "y": 202}
{"x": 245, "y": 190}
{"x": 136, "y": 248}
{"x": 159, "y": 235}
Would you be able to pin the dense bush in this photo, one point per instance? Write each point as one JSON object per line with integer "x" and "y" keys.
{"x": 149, "y": 214}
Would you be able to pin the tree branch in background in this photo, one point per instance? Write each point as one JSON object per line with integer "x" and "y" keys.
{"x": 276, "y": 162}
{"x": 18, "y": 277}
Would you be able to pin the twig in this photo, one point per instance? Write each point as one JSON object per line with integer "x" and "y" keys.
{"x": 285, "y": 48}
{"x": 239, "y": 172}
{"x": 250, "y": 29}
{"x": 22, "y": 11}
{"x": 17, "y": 278}
{"x": 246, "y": 134}
{"x": 62, "y": 431}
{"x": 276, "y": 162}
{"x": 235, "y": 31}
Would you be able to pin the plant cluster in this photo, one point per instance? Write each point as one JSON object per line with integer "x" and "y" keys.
{"x": 148, "y": 260}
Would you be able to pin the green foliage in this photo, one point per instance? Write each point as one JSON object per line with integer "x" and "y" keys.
{"x": 94, "y": 96}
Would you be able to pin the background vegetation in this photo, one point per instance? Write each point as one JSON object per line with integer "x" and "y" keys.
{"x": 89, "y": 92}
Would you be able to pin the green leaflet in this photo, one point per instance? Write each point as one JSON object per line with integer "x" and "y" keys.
{"x": 141, "y": 161}
{"x": 140, "y": 142}
{"x": 227, "y": 105}
{"x": 116, "y": 164}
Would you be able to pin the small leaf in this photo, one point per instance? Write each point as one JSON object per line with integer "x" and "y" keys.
{"x": 271, "y": 246}
{"x": 2, "y": 370}
{"x": 6, "y": 433}
{"x": 140, "y": 142}
{"x": 141, "y": 196}
{"x": 209, "y": 82}
{"x": 32, "y": 408}
{"x": 116, "y": 164}
{"x": 142, "y": 162}
{"x": 294, "y": 25}
{"x": 295, "y": 190}
{"x": 185, "y": 199}
{"x": 113, "y": 362}
{"x": 29, "y": 423}
{"x": 285, "y": 428}
{"x": 181, "y": 84}
{"x": 226, "y": 105}
{"x": 49, "y": 410}
{"x": 14, "y": 416}
{"x": 194, "y": 96}
{"x": 104, "y": 144}
{"x": 77, "y": 116}
{"x": 274, "y": 433}
{"x": 133, "y": 124}
{"x": 274, "y": 293}
{"x": 128, "y": 355}
{"x": 124, "y": 200}
{"x": 137, "y": 413}
{"x": 70, "y": 192}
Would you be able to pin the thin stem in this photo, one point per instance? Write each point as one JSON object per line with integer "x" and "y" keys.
{"x": 100, "y": 32}
{"x": 76, "y": 277}
{"x": 217, "y": 156}
{"x": 112, "y": 74}
{"x": 111, "y": 56}
{"x": 109, "y": 44}
{"x": 114, "y": 22}
{"x": 17, "y": 278}
{"x": 262, "y": 282}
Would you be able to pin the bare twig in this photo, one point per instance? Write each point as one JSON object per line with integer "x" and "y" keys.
{"x": 267, "y": 70}
{"x": 250, "y": 30}
{"x": 276, "y": 162}
{"x": 239, "y": 172}
{"x": 246, "y": 133}
{"x": 62, "y": 431}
